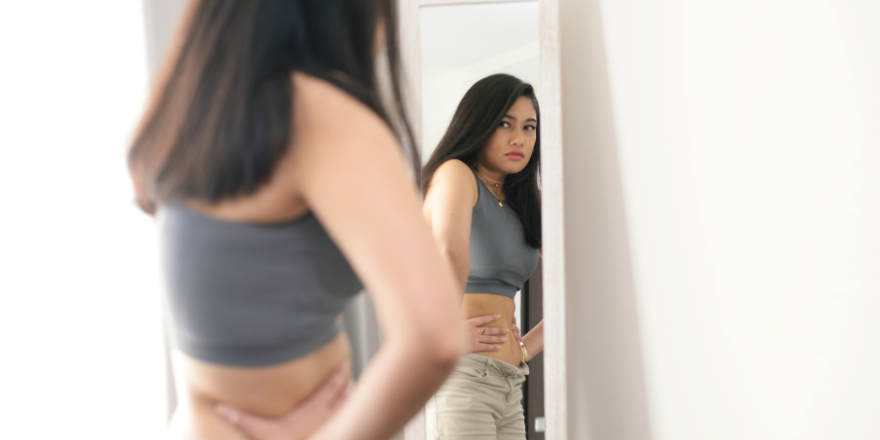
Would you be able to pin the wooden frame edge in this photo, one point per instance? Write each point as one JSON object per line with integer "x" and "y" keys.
{"x": 553, "y": 221}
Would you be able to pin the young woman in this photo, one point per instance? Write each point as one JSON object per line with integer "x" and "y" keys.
{"x": 484, "y": 207}
{"x": 483, "y": 204}
{"x": 272, "y": 169}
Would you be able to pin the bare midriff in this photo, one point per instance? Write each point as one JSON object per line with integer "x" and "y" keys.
{"x": 481, "y": 304}
{"x": 269, "y": 391}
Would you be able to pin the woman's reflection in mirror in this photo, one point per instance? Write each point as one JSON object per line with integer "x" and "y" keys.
{"x": 484, "y": 207}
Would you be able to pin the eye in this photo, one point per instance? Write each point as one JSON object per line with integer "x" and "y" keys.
{"x": 531, "y": 127}
{"x": 505, "y": 124}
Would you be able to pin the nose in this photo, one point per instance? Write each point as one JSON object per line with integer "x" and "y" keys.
{"x": 518, "y": 139}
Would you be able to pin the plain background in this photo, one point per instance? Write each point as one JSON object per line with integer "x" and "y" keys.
{"x": 82, "y": 340}
{"x": 722, "y": 184}
{"x": 722, "y": 211}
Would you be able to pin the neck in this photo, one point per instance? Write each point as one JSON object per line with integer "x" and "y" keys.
{"x": 493, "y": 177}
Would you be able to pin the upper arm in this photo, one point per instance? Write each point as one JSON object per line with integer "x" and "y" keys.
{"x": 450, "y": 203}
{"x": 351, "y": 173}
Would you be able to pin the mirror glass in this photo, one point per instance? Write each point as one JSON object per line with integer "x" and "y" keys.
{"x": 461, "y": 44}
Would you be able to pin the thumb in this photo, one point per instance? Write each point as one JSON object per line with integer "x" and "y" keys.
{"x": 253, "y": 426}
{"x": 342, "y": 397}
{"x": 332, "y": 390}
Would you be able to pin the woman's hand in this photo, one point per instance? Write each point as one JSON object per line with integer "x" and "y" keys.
{"x": 516, "y": 336}
{"x": 481, "y": 339}
{"x": 515, "y": 330}
{"x": 303, "y": 420}
{"x": 533, "y": 340}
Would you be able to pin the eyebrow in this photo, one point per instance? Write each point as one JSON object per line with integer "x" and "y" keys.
{"x": 527, "y": 120}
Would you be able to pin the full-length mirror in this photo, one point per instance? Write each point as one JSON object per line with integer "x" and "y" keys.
{"x": 480, "y": 79}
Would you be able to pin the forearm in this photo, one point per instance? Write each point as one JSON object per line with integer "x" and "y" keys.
{"x": 534, "y": 340}
{"x": 462, "y": 268}
{"x": 396, "y": 385}
{"x": 460, "y": 263}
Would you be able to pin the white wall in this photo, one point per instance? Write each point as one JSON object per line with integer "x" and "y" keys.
{"x": 723, "y": 218}
{"x": 79, "y": 305}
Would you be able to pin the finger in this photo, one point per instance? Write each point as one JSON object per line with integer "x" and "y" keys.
{"x": 483, "y": 320}
{"x": 231, "y": 415}
{"x": 487, "y": 347}
{"x": 253, "y": 426}
{"x": 343, "y": 396}
{"x": 495, "y": 331}
{"x": 330, "y": 390}
{"x": 492, "y": 339}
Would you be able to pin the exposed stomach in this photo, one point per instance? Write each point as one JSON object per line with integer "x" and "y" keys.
{"x": 269, "y": 391}
{"x": 481, "y": 304}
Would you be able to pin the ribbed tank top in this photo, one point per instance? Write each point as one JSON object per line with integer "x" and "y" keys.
{"x": 250, "y": 294}
{"x": 501, "y": 260}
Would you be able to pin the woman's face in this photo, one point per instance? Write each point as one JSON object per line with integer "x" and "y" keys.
{"x": 508, "y": 150}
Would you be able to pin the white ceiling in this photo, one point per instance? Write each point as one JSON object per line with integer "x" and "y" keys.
{"x": 454, "y": 37}
{"x": 461, "y": 44}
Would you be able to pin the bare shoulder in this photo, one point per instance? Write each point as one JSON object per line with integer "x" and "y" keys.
{"x": 323, "y": 112}
{"x": 454, "y": 177}
{"x": 454, "y": 172}
{"x": 331, "y": 127}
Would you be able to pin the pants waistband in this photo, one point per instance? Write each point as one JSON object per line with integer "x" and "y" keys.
{"x": 492, "y": 366}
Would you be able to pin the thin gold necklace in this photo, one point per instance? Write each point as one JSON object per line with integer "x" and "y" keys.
{"x": 496, "y": 183}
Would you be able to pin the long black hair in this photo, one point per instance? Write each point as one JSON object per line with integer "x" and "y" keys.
{"x": 219, "y": 118}
{"x": 478, "y": 115}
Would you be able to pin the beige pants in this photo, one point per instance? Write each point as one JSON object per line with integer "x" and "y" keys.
{"x": 481, "y": 400}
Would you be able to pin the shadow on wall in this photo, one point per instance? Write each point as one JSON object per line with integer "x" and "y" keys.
{"x": 607, "y": 396}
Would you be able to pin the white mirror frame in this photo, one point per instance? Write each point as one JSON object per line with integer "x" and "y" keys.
{"x": 555, "y": 371}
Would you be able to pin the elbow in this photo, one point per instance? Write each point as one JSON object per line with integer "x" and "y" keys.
{"x": 450, "y": 254}
{"x": 459, "y": 262}
{"x": 449, "y": 356}
{"x": 444, "y": 349}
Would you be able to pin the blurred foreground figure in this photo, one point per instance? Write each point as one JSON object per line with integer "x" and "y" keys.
{"x": 279, "y": 188}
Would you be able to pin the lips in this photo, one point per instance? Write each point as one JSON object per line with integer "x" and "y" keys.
{"x": 515, "y": 155}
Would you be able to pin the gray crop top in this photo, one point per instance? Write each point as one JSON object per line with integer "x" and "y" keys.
{"x": 247, "y": 294}
{"x": 501, "y": 260}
